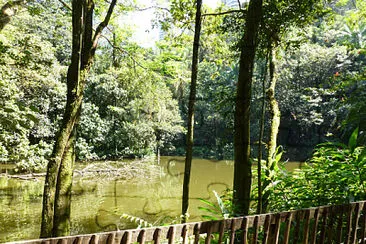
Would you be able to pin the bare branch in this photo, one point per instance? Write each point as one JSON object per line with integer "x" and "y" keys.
{"x": 123, "y": 51}
{"x": 151, "y": 7}
{"x": 224, "y": 13}
{"x": 103, "y": 24}
{"x": 65, "y": 5}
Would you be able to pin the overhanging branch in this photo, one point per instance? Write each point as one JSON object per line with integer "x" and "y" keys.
{"x": 224, "y": 13}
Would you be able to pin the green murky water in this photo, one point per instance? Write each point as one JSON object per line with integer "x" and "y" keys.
{"x": 97, "y": 205}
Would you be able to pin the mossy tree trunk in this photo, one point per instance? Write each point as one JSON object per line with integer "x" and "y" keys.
{"x": 274, "y": 120}
{"x": 58, "y": 183}
{"x": 242, "y": 164}
{"x": 274, "y": 111}
{"x": 192, "y": 98}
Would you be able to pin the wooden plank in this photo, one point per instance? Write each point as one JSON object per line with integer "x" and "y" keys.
{"x": 78, "y": 240}
{"x": 196, "y": 231}
{"x": 340, "y": 224}
{"x": 126, "y": 239}
{"x": 355, "y": 224}
{"x": 296, "y": 232}
{"x": 157, "y": 235}
{"x": 232, "y": 232}
{"x": 287, "y": 228}
{"x": 94, "y": 239}
{"x": 244, "y": 228}
{"x": 221, "y": 231}
{"x": 256, "y": 228}
{"x": 350, "y": 209}
{"x": 363, "y": 225}
{"x": 209, "y": 232}
{"x": 111, "y": 237}
{"x": 277, "y": 226}
{"x": 323, "y": 230}
{"x": 307, "y": 213}
{"x": 142, "y": 236}
{"x": 118, "y": 236}
{"x": 171, "y": 235}
{"x": 331, "y": 220}
{"x": 267, "y": 224}
{"x": 235, "y": 225}
{"x": 185, "y": 234}
{"x": 315, "y": 227}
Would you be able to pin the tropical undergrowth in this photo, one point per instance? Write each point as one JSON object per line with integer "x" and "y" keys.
{"x": 335, "y": 174}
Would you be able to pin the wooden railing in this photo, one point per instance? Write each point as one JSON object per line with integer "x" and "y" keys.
{"x": 327, "y": 224}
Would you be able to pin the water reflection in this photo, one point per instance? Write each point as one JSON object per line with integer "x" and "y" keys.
{"x": 102, "y": 205}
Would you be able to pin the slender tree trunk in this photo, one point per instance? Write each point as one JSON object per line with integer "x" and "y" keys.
{"x": 61, "y": 222}
{"x": 260, "y": 140}
{"x": 58, "y": 183}
{"x": 192, "y": 98}
{"x": 72, "y": 110}
{"x": 242, "y": 164}
{"x": 274, "y": 120}
{"x": 274, "y": 111}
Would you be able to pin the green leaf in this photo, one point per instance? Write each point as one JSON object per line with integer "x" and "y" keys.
{"x": 352, "y": 143}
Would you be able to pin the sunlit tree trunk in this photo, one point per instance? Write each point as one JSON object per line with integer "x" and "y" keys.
{"x": 274, "y": 111}
{"x": 192, "y": 98}
{"x": 62, "y": 212}
{"x": 63, "y": 143}
{"x": 242, "y": 164}
{"x": 274, "y": 121}
{"x": 58, "y": 183}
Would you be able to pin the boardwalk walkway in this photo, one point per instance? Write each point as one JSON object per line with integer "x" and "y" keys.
{"x": 327, "y": 224}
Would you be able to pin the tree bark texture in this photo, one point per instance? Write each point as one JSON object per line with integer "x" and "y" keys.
{"x": 73, "y": 105}
{"x": 62, "y": 224}
{"x": 58, "y": 182}
{"x": 274, "y": 121}
{"x": 242, "y": 164}
{"x": 274, "y": 111}
{"x": 192, "y": 98}
{"x": 8, "y": 10}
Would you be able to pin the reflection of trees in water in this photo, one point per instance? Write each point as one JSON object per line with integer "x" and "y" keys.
{"x": 156, "y": 190}
{"x": 152, "y": 208}
{"x": 172, "y": 161}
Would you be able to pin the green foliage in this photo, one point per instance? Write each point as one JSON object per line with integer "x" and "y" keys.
{"x": 129, "y": 111}
{"x": 335, "y": 174}
{"x": 221, "y": 209}
{"x": 31, "y": 92}
{"x": 141, "y": 223}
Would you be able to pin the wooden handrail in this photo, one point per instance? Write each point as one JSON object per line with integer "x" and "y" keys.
{"x": 326, "y": 224}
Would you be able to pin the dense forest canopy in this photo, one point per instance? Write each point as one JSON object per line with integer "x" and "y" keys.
{"x": 288, "y": 74}
{"x": 306, "y": 62}
{"x": 135, "y": 97}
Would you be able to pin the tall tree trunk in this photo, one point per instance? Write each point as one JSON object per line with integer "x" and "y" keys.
{"x": 58, "y": 183}
{"x": 274, "y": 120}
{"x": 192, "y": 98}
{"x": 61, "y": 221}
{"x": 72, "y": 110}
{"x": 274, "y": 111}
{"x": 260, "y": 140}
{"x": 8, "y": 10}
{"x": 242, "y": 164}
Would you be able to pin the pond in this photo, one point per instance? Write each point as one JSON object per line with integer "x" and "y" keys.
{"x": 103, "y": 205}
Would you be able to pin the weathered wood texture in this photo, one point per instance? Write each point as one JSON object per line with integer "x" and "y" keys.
{"x": 327, "y": 224}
